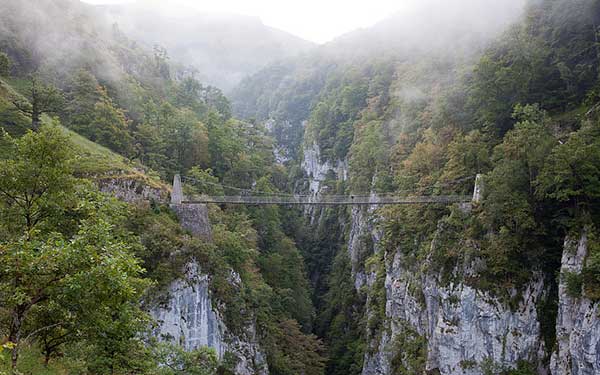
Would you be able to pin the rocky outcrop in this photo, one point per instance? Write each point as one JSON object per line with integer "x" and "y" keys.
{"x": 317, "y": 170}
{"x": 363, "y": 241}
{"x": 132, "y": 190}
{"x": 452, "y": 327}
{"x": 189, "y": 318}
{"x": 462, "y": 330}
{"x": 194, "y": 218}
{"x": 578, "y": 322}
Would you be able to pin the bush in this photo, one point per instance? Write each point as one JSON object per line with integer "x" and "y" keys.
{"x": 574, "y": 283}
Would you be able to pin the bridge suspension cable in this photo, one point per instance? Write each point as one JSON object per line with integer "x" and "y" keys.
{"x": 257, "y": 197}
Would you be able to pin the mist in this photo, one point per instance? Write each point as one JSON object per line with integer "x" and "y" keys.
{"x": 224, "y": 48}
{"x": 433, "y": 26}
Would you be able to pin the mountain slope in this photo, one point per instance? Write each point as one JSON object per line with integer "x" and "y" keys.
{"x": 223, "y": 48}
{"x": 449, "y": 290}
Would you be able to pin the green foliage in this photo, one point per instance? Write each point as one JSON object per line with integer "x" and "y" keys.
{"x": 176, "y": 361}
{"x": 468, "y": 156}
{"x": 342, "y": 320}
{"x": 590, "y": 274}
{"x": 509, "y": 208}
{"x": 36, "y": 181}
{"x": 523, "y": 368}
{"x": 377, "y": 294}
{"x": 574, "y": 283}
{"x": 570, "y": 175}
{"x": 65, "y": 263}
{"x": 294, "y": 352}
{"x": 109, "y": 126}
{"x": 410, "y": 352}
{"x": 39, "y": 98}
{"x": 204, "y": 182}
{"x": 5, "y": 64}
{"x": 368, "y": 158}
{"x": 13, "y": 122}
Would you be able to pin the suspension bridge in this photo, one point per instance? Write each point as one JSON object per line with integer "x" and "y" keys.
{"x": 245, "y": 197}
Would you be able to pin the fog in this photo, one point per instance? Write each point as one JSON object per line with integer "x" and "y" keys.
{"x": 457, "y": 26}
{"x": 226, "y": 47}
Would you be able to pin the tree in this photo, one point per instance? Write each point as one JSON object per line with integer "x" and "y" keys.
{"x": 571, "y": 175}
{"x": 188, "y": 95}
{"x": 41, "y": 98}
{"x": 36, "y": 181}
{"x": 467, "y": 156}
{"x": 176, "y": 361}
{"x": 83, "y": 93}
{"x": 64, "y": 262}
{"x": 509, "y": 206}
{"x": 5, "y": 64}
{"x": 109, "y": 125}
{"x": 295, "y": 352}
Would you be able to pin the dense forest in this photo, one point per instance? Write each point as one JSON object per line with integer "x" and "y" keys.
{"x": 407, "y": 111}
{"x": 521, "y": 110}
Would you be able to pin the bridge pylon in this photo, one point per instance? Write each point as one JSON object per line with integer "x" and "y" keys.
{"x": 177, "y": 192}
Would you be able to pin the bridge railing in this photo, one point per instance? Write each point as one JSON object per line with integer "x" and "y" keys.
{"x": 177, "y": 197}
{"x": 326, "y": 199}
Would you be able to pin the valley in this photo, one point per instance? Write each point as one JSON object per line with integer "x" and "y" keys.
{"x": 417, "y": 197}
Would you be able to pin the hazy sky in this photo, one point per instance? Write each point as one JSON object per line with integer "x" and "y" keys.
{"x": 315, "y": 20}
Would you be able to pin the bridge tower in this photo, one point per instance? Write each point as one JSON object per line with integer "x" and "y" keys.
{"x": 478, "y": 190}
{"x": 177, "y": 192}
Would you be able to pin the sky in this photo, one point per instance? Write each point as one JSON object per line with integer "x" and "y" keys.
{"x": 315, "y": 20}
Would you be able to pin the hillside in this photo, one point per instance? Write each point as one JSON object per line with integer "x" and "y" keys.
{"x": 422, "y": 107}
{"x": 222, "y": 48}
{"x": 88, "y": 110}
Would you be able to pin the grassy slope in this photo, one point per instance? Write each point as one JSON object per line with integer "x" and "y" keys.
{"x": 93, "y": 160}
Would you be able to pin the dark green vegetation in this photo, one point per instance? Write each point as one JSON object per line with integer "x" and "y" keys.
{"x": 75, "y": 263}
{"x": 80, "y": 102}
{"x": 522, "y": 111}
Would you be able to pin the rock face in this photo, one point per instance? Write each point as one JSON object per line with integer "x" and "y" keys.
{"x": 194, "y": 217}
{"x": 578, "y": 321}
{"x": 317, "y": 170}
{"x": 189, "y": 319}
{"x": 189, "y": 316}
{"x": 455, "y": 328}
{"x": 132, "y": 190}
{"x": 461, "y": 330}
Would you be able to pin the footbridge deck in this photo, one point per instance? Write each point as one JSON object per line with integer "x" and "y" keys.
{"x": 245, "y": 198}
{"x": 327, "y": 200}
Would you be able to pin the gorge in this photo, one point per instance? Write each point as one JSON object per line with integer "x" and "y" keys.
{"x": 108, "y": 268}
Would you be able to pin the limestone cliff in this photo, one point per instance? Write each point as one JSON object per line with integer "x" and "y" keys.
{"x": 191, "y": 318}
{"x": 578, "y": 322}
{"x": 188, "y": 315}
{"x": 454, "y": 328}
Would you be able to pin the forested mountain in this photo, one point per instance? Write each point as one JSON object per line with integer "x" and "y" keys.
{"x": 425, "y": 116}
{"x": 431, "y": 39}
{"x": 419, "y": 104}
{"x": 84, "y": 278}
{"x": 223, "y": 48}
